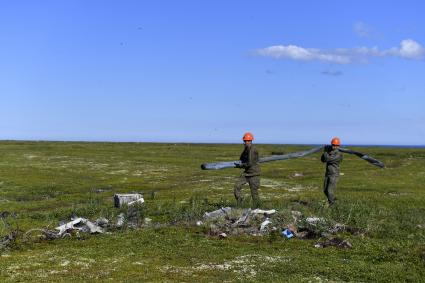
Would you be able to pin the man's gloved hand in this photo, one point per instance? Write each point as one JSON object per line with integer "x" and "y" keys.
{"x": 328, "y": 148}
{"x": 239, "y": 165}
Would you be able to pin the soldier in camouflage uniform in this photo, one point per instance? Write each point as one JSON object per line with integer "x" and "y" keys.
{"x": 332, "y": 157}
{"x": 251, "y": 175}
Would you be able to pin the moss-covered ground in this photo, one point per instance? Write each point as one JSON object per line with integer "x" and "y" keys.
{"x": 42, "y": 183}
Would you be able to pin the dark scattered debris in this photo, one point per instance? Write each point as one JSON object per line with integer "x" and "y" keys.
{"x": 217, "y": 213}
{"x": 234, "y": 221}
{"x": 301, "y": 202}
{"x": 152, "y": 194}
{"x": 8, "y": 240}
{"x": 102, "y": 222}
{"x": 334, "y": 242}
{"x": 222, "y": 235}
{"x": 102, "y": 189}
{"x": 133, "y": 218}
{"x": 5, "y": 214}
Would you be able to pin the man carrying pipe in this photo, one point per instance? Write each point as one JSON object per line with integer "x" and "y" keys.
{"x": 251, "y": 175}
{"x": 332, "y": 157}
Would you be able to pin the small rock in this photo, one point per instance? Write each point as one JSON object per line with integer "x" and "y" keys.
{"x": 264, "y": 225}
{"x": 338, "y": 227}
{"x": 102, "y": 222}
{"x": 222, "y": 235}
{"x": 296, "y": 215}
{"x": 120, "y": 220}
{"x": 4, "y": 214}
{"x": 302, "y": 235}
{"x": 93, "y": 228}
{"x": 346, "y": 244}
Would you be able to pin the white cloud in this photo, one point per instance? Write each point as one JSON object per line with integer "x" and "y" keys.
{"x": 408, "y": 49}
{"x": 411, "y": 49}
{"x": 305, "y": 54}
{"x": 362, "y": 30}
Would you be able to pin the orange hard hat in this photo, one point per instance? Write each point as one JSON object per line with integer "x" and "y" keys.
{"x": 336, "y": 141}
{"x": 248, "y": 137}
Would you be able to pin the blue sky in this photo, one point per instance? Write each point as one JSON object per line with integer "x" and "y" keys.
{"x": 207, "y": 71}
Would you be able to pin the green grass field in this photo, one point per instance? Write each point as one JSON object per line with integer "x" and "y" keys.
{"x": 42, "y": 183}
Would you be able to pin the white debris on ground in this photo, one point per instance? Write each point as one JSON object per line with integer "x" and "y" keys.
{"x": 127, "y": 199}
{"x": 79, "y": 224}
{"x": 264, "y": 225}
{"x": 265, "y": 212}
{"x": 258, "y": 222}
{"x": 217, "y": 213}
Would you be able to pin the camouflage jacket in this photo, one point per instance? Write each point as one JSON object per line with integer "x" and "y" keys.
{"x": 249, "y": 159}
{"x": 332, "y": 159}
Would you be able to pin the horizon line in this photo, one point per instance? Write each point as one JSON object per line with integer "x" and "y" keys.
{"x": 200, "y": 142}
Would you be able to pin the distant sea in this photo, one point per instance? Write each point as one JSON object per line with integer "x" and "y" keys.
{"x": 201, "y": 142}
{"x": 378, "y": 145}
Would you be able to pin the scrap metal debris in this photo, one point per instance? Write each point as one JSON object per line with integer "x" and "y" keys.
{"x": 128, "y": 199}
{"x": 222, "y": 235}
{"x": 264, "y": 225}
{"x": 296, "y": 215}
{"x": 102, "y": 222}
{"x": 239, "y": 221}
{"x": 244, "y": 219}
{"x": 267, "y": 213}
{"x": 131, "y": 219}
{"x": 234, "y": 221}
{"x": 217, "y": 213}
{"x": 79, "y": 224}
{"x": 120, "y": 220}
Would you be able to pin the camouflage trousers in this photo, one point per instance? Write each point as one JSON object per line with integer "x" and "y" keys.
{"x": 329, "y": 188}
{"x": 254, "y": 185}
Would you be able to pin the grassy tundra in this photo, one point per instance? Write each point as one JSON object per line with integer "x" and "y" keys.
{"x": 42, "y": 183}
